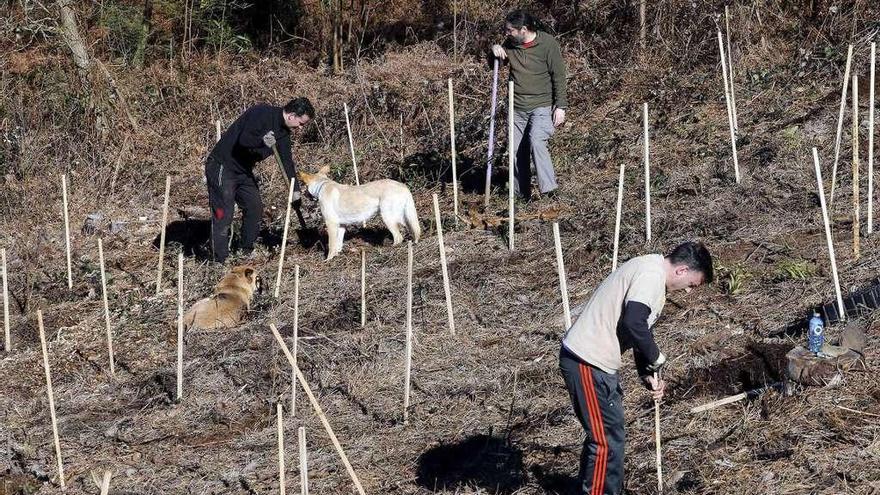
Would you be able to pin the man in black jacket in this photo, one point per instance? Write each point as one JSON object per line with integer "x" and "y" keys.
{"x": 619, "y": 317}
{"x": 229, "y": 168}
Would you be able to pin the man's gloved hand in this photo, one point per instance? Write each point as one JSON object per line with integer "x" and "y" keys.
{"x": 297, "y": 200}
{"x": 656, "y": 365}
{"x": 269, "y": 139}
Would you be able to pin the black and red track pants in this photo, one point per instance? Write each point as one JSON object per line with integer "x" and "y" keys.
{"x": 229, "y": 185}
{"x": 598, "y": 402}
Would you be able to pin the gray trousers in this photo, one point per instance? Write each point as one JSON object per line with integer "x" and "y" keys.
{"x": 537, "y": 125}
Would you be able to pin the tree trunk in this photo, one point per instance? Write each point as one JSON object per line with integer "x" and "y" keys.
{"x": 146, "y": 27}
{"x": 336, "y": 16}
{"x": 70, "y": 34}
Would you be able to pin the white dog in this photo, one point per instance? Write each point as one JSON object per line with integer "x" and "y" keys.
{"x": 347, "y": 205}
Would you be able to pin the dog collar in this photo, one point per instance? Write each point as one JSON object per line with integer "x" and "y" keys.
{"x": 320, "y": 188}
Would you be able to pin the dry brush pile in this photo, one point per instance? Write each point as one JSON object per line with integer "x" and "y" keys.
{"x": 489, "y": 412}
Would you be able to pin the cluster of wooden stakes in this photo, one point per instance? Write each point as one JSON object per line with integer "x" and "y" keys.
{"x": 291, "y": 356}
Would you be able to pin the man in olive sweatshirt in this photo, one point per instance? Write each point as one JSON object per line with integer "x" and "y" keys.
{"x": 538, "y": 74}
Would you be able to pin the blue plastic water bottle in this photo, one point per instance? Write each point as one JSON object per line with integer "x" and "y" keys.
{"x": 817, "y": 333}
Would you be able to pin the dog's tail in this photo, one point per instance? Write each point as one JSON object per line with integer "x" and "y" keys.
{"x": 412, "y": 218}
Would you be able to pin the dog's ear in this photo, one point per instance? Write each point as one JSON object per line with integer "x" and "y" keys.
{"x": 325, "y": 171}
{"x": 249, "y": 272}
{"x": 302, "y": 176}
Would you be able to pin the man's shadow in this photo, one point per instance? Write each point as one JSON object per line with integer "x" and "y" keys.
{"x": 556, "y": 482}
{"x": 487, "y": 462}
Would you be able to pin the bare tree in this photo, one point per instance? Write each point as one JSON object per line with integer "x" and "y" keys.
{"x": 71, "y": 36}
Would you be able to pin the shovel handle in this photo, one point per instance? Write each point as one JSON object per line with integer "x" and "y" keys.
{"x": 299, "y": 215}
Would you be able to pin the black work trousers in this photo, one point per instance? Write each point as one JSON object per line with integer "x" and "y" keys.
{"x": 228, "y": 185}
{"x": 598, "y": 402}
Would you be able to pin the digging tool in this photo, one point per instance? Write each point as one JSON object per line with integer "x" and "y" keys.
{"x": 738, "y": 397}
{"x": 491, "y": 132}
{"x": 307, "y": 237}
{"x": 299, "y": 215}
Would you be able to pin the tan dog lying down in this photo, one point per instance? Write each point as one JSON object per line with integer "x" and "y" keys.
{"x": 354, "y": 205}
{"x": 229, "y": 304}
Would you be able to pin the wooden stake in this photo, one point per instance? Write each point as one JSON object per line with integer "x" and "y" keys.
{"x": 179, "y": 326}
{"x": 452, "y": 147}
{"x": 491, "y": 144}
{"x": 7, "y": 341}
{"x": 729, "y": 109}
{"x": 280, "y": 413}
{"x": 354, "y": 164}
{"x": 51, "y": 395}
{"x": 871, "y": 142}
{"x": 720, "y": 402}
{"x": 733, "y": 398}
{"x": 730, "y": 70}
{"x": 67, "y": 231}
{"x": 617, "y": 220}
{"x": 657, "y": 435}
{"x": 295, "y": 339}
{"x": 318, "y": 410}
{"x": 363, "y": 288}
{"x": 303, "y": 461}
{"x": 162, "y": 235}
{"x": 408, "y": 352}
{"x": 855, "y": 167}
{"x": 284, "y": 238}
{"x": 828, "y": 238}
{"x": 511, "y": 162}
{"x": 440, "y": 243}
{"x": 105, "y": 483}
{"x": 560, "y": 267}
{"x": 218, "y": 130}
{"x": 106, "y": 308}
{"x": 840, "y": 125}
{"x": 647, "y": 177}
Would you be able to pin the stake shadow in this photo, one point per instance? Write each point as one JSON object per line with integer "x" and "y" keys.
{"x": 482, "y": 461}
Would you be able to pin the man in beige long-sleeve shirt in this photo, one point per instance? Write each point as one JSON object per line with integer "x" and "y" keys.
{"x": 539, "y": 88}
{"x": 618, "y": 317}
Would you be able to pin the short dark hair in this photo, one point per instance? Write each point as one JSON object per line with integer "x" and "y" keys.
{"x": 300, "y": 106}
{"x": 520, "y": 18}
{"x": 695, "y": 256}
